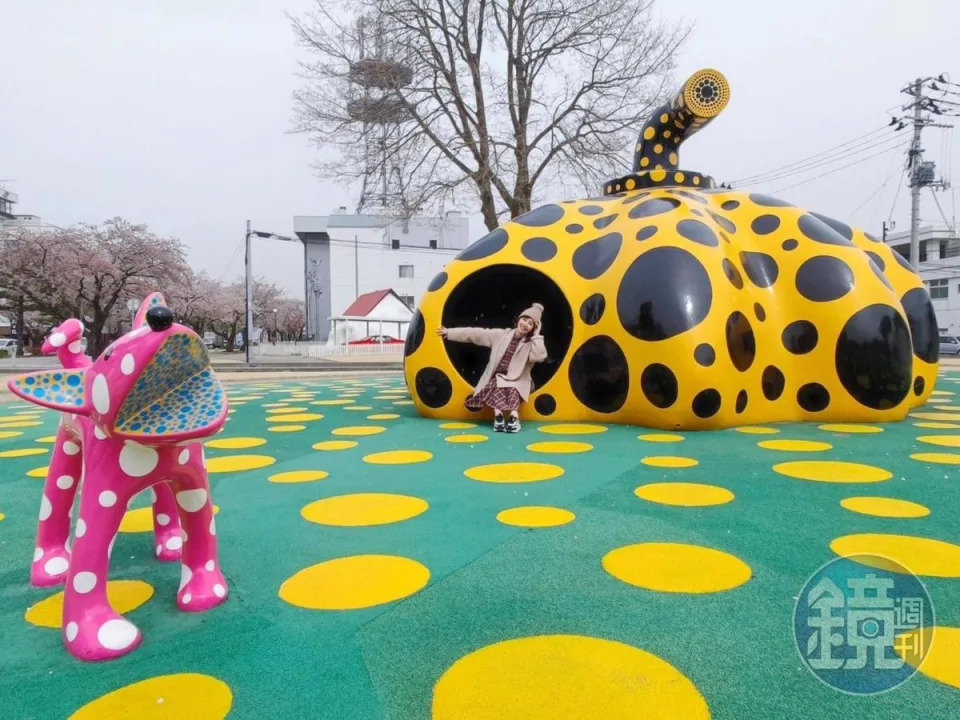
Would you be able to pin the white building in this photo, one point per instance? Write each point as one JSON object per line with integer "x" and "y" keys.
{"x": 939, "y": 268}
{"x": 346, "y": 256}
{"x": 10, "y": 220}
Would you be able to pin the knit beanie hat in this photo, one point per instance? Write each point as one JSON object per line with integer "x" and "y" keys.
{"x": 534, "y": 312}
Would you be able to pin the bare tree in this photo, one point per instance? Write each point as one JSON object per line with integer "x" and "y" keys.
{"x": 490, "y": 97}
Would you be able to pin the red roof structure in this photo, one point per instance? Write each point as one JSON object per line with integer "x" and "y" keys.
{"x": 364, "y": 305}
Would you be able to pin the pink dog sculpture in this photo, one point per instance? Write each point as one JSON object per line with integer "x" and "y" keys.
{"x": 151, "y": 397}
{"x": 51, "y": 557}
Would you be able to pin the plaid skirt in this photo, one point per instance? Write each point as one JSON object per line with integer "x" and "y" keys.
{"x": 498, "y": 398}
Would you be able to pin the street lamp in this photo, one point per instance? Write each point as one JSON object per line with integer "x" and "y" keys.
{"x": 274, "y": 326}
{"x": 248, "y": 307}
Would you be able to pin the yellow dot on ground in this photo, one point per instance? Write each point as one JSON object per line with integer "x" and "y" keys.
{"x": 942, "y": 661}
{"x": 951, "y": 441}
{"x": 935, "y": 416}
{"x": 244, "y": 398}
{"x": 852, "y": 428}
{"x": 669, "y": 461}
{"x": 286, "y": 428}
{"x": 660, "y": 437}
{"x": 560, "y": 446}
{"x": 357, "y": 581}
{"x": 832, "y": 471}
{"x": 298, "y": 476}
{"x": 361, "y": 408}
{"x": 942, "y": 392}
{"x": 332, "y": 402}
{"x": 358, "y": 430}
{"x": 938, "y": 458}
{"x": 937, "y": 426}
{"x": 294, "y": 417}
{"x": 48, "y": 440}
{"x": 274, "y": 405}
{"x": 334, "y": 445}
{"x": 123, "y": 595}
{"x": 467, "y": 438}
{"x": 685, "y": 494}
{"x": 285, "y": 409}
{"x": 535, "y": 516}
{"x": 756, "y": 430}
{"x": 403, "y": 402}
{"x": 23, "y": 452}
{"x": 382, "y": 416}
{"x": 363, "y": 509}
{"x": 514, "y": 472}
{"x": 235, "y": 443}
{"x": 234, "y": 402}
{"x": 919, "y": 555}
{"x": 235, "y": 463}
{"x": 676, "y": 567}
{"x": 7, "y": 434}
{"x": 40, "y": 472}
{"x": 885, "y": 507}
{"x": 572, "y": 429}
{"x": 458, "y": 426}
{"x": 397, "y": 457}
{"x": 26, "y": 424}
{"x": 198, "y": 697}
{"x": 548, "y": 677}
{"x": 2, "y": 516}
{"x": 141, "y": 520}
{"x": 795, "y": 445}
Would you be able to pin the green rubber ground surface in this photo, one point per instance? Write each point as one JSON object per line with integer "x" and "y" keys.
{"x": 488, "y": 581}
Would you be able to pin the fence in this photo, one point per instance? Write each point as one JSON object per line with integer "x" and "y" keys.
{"x": 319, "y": 350}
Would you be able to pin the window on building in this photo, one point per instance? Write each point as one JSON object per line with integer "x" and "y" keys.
{"x": 395, "y": 243}
{"x": 406, "y": 271}
{"x": 923, "y": 252}
{"x": 433, "y": 244}
{"x": 408, "y": 300}
{"x": 943, "y": 249}
{"x": 938, "y": 289}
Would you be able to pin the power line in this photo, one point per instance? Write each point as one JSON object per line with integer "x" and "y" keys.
{"x": 874, "y": 193}
{"x": 831, "y": 172}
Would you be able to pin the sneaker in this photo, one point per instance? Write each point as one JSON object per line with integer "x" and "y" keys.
{"x": 498, "y": 424}
{"x": 513, "y": 424}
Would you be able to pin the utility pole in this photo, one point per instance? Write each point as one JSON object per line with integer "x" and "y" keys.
{"x": 915, "y": 154}
{"x": 248, "y": 293}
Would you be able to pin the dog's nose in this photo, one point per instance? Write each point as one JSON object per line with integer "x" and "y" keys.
{"x": 159, "y": 318}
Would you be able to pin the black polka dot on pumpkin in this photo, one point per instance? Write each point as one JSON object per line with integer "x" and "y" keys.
{"x": 601, "y": 223}
{"x": 813, "y": 397}
{"x": 872, "y": 238}
{"x": 656, "y": 206}
{"x": 765, "y": 224}
{"x": 433, "y": 387}
{"x": 789, "y": 245}
{"x": 741, "y": 401}
{"x": 733, "y": 275}
{"x": 904, "y": 263}
{"x": 665, "y": 291}
{"x": 541, "y": 217}
{"x": 741, "y": 342}
{"x": 636, "y": 198}
{"x": 800, "y": 337}
{"x": 645, "y": 233}
{"x": 877, "y": 260}
{"x": 704, "y": 354}
{"x": 823, "y": 278}
{"x": 696, "y": 212}
{"x": 879, "y": 273}
{"x": 918, "y": 386}
{"x": 592, "y": 309}
{"x": 772, "y": 382}
{"x": 599, "y": 375}
{"x": 545, "y": 404}
{"x": 723, "y": 222}
{"x": 691, "y": 195}
{"x": 415, "y": 331}
{"x": 767, "y": 201}
{"x": 723, "y": 236}
{"x": 760, "y": 268}
{"x": 698, "y": 232}
{"x": 873, "y": 358}
{"x": 707, "y": 403}
{"x": 817, "y": 230}
{"x": 659, "y": 385}
{"x": 922, "y": 319}
{"x": 759, "y": 312}
{"x": 486, "y": 246}
{"x": 438, "y": 282}
{"x": 539, "y": 249}
{"x": 574, "y": 228}
{"x": 842, "y": 228}
{"x": 594, "y": 258}
{"x": 730, "y": 205}
{"x": 591, "y": 210}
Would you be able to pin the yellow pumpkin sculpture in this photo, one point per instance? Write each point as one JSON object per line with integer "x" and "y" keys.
{"x": 673, "y": 304}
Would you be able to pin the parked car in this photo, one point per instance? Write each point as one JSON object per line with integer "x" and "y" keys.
{"x": 8, "y": 346}
{"x": 377, "y": 340}
{"x": 949, "y": 345}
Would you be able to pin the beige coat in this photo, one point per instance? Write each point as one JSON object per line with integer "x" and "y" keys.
{"x": 518, "y": 371}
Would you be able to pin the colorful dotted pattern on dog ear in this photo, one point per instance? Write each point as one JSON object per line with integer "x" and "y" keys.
{"x": 60, "y": 388}
{"x": 177, "y": 391}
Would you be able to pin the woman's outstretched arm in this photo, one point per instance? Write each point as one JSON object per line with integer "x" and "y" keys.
{"x": 484, "y": 337}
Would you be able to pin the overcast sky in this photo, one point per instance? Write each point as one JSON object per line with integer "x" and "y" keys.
{"x": 176, "y": 113}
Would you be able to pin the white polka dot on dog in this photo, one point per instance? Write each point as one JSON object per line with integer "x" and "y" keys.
{"x": 81, "y": 528}
{"x": 56, "y": 565}
{"x": 72, "y": 630}
{"x": 163, "y": 519}
{"x": 84, "y": 582}
{"x": 37, "y": 554}
{"x": 187, "y": 598}
{"x": 128, "y": 364}
{"x": 117, "y": 634}
{"x": 213, "y": 526}
{"x": 58, "y": 339}
{"x": 185, "y": 575}
{"x": 101, "y": 395}
{"x": 46, "y": 509}
{"x": 184, "y": 456}
{"x": 219, "y": 590}
{"x": 210, "y": 565}
{"x": 71, "y": 448}
{"x": 76, "y": 347}
{"x": 138, "y": 460}
{"x": 98, "y": 433}
{"x": 174, "y": 543}
{"x": 64, "y": 482}
{"x": 108, "y": 498}
{"x": 192, "y": 500}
